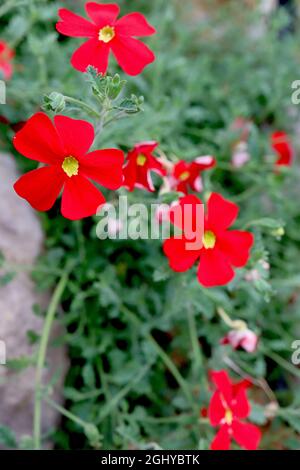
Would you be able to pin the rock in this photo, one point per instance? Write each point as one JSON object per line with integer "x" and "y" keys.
{"x": 21, "y": 240}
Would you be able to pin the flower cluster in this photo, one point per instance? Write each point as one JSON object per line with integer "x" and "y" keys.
{"x": 69, "y": 166}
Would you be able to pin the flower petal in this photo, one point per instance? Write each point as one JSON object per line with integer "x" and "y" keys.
{"x": 221, "y": 440}
{"x": 246, "y": 435}
{"x": 77, "y": 136}
{"x": 282, "y": 146}
{"x": 134, "y": 24}
{"x": 156, "y": 166}
{"x": 144, "y": 179}
{"x": 236, "y": 245}
{"x": 216, "y": 410}
{"x": 102, "y": 15}
{"x": 204, "y": 163}
{"x": 130, "y": 173}
{"x": 39, "y": 140}
{"x": 221, "y": 213}
{"x": 223, "y": 384}
{"x": 40, "y": 187}
{"x": 144, "y": 147}
{"x": 180, "y": 259}
{"x": 92, "y": 52}
{"x": 188, "y": 215}
{"x": 74, "y": 25}
{"x": 240, "y": 404}
{"x": 131, "y": 54}
{"x": 80, "y": 198}
{"x": 214, "y": 268}
{"x": 104, "y": 167}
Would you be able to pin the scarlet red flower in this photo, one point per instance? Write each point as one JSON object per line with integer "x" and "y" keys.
{"x": 64, "y": 148}
{"x": 185, "y": 175}
{"x": 282, "y": 145}
{"x": 228, "y": 406}
{"x": 6, "y": 56}
{"x": 106, "y": 34}
{"x": 221, "y": 249}
{"x": 140, "y": 162}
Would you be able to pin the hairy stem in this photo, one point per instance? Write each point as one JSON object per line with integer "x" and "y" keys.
{"x": 56, "y": 298}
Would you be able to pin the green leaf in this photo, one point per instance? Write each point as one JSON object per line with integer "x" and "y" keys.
{"x": 7, "y": 437}
{"x": 21, "y": 363}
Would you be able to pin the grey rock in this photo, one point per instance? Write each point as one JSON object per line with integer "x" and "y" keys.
{"x": 21, "y": 241}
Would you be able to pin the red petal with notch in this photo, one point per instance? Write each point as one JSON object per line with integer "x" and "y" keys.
{"x": 104, "y": 167}
{"x": 77, "y": 136}
{"x": 104, "y": 14}
{"x": 80, "y": 198}
{"x": 39, "y": 140}
{"x": 74, "y": 25}
{"x": 214, "y": 268}
{"x": 92, "y": 52}
{"x": 246, "y": 435}
{"x": 131, "y": 54}
{"x": 221, "y": 213}
{"x": 41, "y": 187}
{"x": 134, "y": 24}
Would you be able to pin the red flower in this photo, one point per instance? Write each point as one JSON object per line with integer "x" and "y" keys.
{"x": 228, "y": 406}
{"x": 64, "y": 148}
{"x": 185, "y": 175}
{"x": 220, "y": 249}
{"x": 140, "y": 162}
{"x": 282, "y": 146}
{"x": 105, "y": 33}
{"x": 6, "y": 56}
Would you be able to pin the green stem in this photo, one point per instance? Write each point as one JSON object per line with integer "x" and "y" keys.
{"x": 106, "y": 108}
{"x": 119, "y": 396}
{"x": 116, "y": 117}
{"x": 83, "y": 105}
{"x": 65, "y": 412}
{"x": 197, "y": 355}
{"x": 282, "y": 362}
{"x": 56, "y": 298}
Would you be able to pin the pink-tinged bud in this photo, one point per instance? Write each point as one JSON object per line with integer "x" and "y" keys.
{"x": 252, "y": 275}
{"x": 265, "y": 265}
{"x": 245, "y": 339}
{"x": 240, "y": 155}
